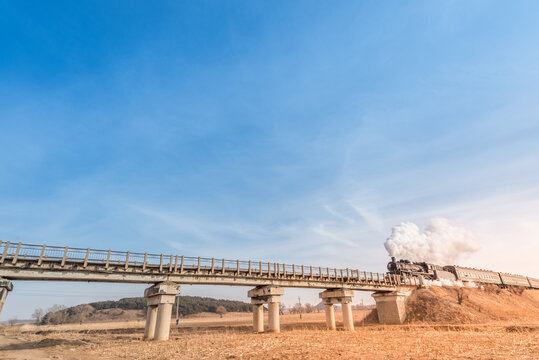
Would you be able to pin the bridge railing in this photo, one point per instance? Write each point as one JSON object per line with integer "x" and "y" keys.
{"x": 13, "y": 253}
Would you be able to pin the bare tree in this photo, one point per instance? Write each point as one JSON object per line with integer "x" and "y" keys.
{"x": 38, "y": 315}
{"x": 298, "y": 309}
{"x": 281, "y": 308}
{"x": 12, "y": 321}
{"x": 220, "y": 310}
{"x": 56, "y": 307}
{"x": 55, "y": 315}
{"x": 461, "y": 296}
{"x": 308, "y": 308}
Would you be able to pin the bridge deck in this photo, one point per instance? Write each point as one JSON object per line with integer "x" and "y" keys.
{"x": 40, "y": 262}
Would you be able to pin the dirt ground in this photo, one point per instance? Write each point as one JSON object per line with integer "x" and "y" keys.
{"x": 208, "y": 336}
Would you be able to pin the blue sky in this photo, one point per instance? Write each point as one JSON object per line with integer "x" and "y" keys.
{"x": 297, "y": 132}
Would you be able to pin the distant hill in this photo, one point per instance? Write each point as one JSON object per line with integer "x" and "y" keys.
{"x": 134, "y": 308}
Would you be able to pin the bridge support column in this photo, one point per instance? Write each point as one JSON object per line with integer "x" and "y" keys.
{"x": 391, "y": 306}
{"x": 151, "y": 318}
{"x": 5, "y": 287}
{"x": 273, "y": 315}
{"x": 270, "y": 295}
{"x": 330, "y": 316}
{"x": 258, "y": 318}
{"x": 162, "y": 324}
{"x": 160, "y": 298}
{"x": 344, "y": 297}
{"x": 348, "y": 318}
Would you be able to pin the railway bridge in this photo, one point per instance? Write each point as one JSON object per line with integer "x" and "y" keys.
{"x": 167, "y": 273}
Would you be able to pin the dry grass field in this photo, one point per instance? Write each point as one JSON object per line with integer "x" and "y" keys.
{"x": 207, "y": 336}
{"x": 210, "y": 337}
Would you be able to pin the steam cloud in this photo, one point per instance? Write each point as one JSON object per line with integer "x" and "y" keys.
{"x": 441, "y": 243}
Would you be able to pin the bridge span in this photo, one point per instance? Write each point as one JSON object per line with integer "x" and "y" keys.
{"x": 167, "y": 272}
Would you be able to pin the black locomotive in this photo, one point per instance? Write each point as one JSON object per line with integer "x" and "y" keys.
{"x": 426, "y": 270}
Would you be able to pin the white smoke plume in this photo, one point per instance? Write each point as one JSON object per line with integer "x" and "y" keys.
{"x": 441, "y": 243}
{"x": 442, "y": 282}
{"x": 448, "y": 282}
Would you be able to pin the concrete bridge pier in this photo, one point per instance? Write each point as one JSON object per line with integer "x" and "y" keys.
{"x": 5, "y": 287}
{"x": 270, "y": 295}
{"x": 274, "y": 324}
{"x": 335, "y": 296}
{"x": 348, "y": 318}
{"x": 391, "y": 306}
{"x": 151, "y": 318}
{"x": 160, "y": 298}
{"x": 258, "y": 318}
{"x": 330, "y": 316}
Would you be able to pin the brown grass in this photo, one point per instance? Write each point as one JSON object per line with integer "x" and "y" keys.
{"x": 368, "y": 342}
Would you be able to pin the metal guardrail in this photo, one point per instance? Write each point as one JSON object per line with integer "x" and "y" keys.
{"x": 13, "y": 253}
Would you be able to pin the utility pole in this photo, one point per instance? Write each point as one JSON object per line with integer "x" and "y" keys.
{"x": 177, "y": 310}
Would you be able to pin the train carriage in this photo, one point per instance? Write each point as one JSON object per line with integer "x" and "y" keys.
{"x": 534, "y": 283}
{"x": 475, "y": 275}
{"x": 514, "y": 280}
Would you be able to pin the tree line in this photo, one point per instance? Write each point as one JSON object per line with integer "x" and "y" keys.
{"x": 188, "y": 305}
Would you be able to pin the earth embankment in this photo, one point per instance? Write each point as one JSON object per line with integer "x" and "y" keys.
{"x": 462, "y": 305}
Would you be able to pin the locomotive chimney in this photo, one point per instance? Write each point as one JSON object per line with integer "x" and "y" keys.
{"x": 392, "y": 259}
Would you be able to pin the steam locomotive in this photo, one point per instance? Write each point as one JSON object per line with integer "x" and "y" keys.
{"x": 437, "y": 272}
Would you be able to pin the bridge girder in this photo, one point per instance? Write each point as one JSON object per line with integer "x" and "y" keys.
{"x": 52, "y": 274}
